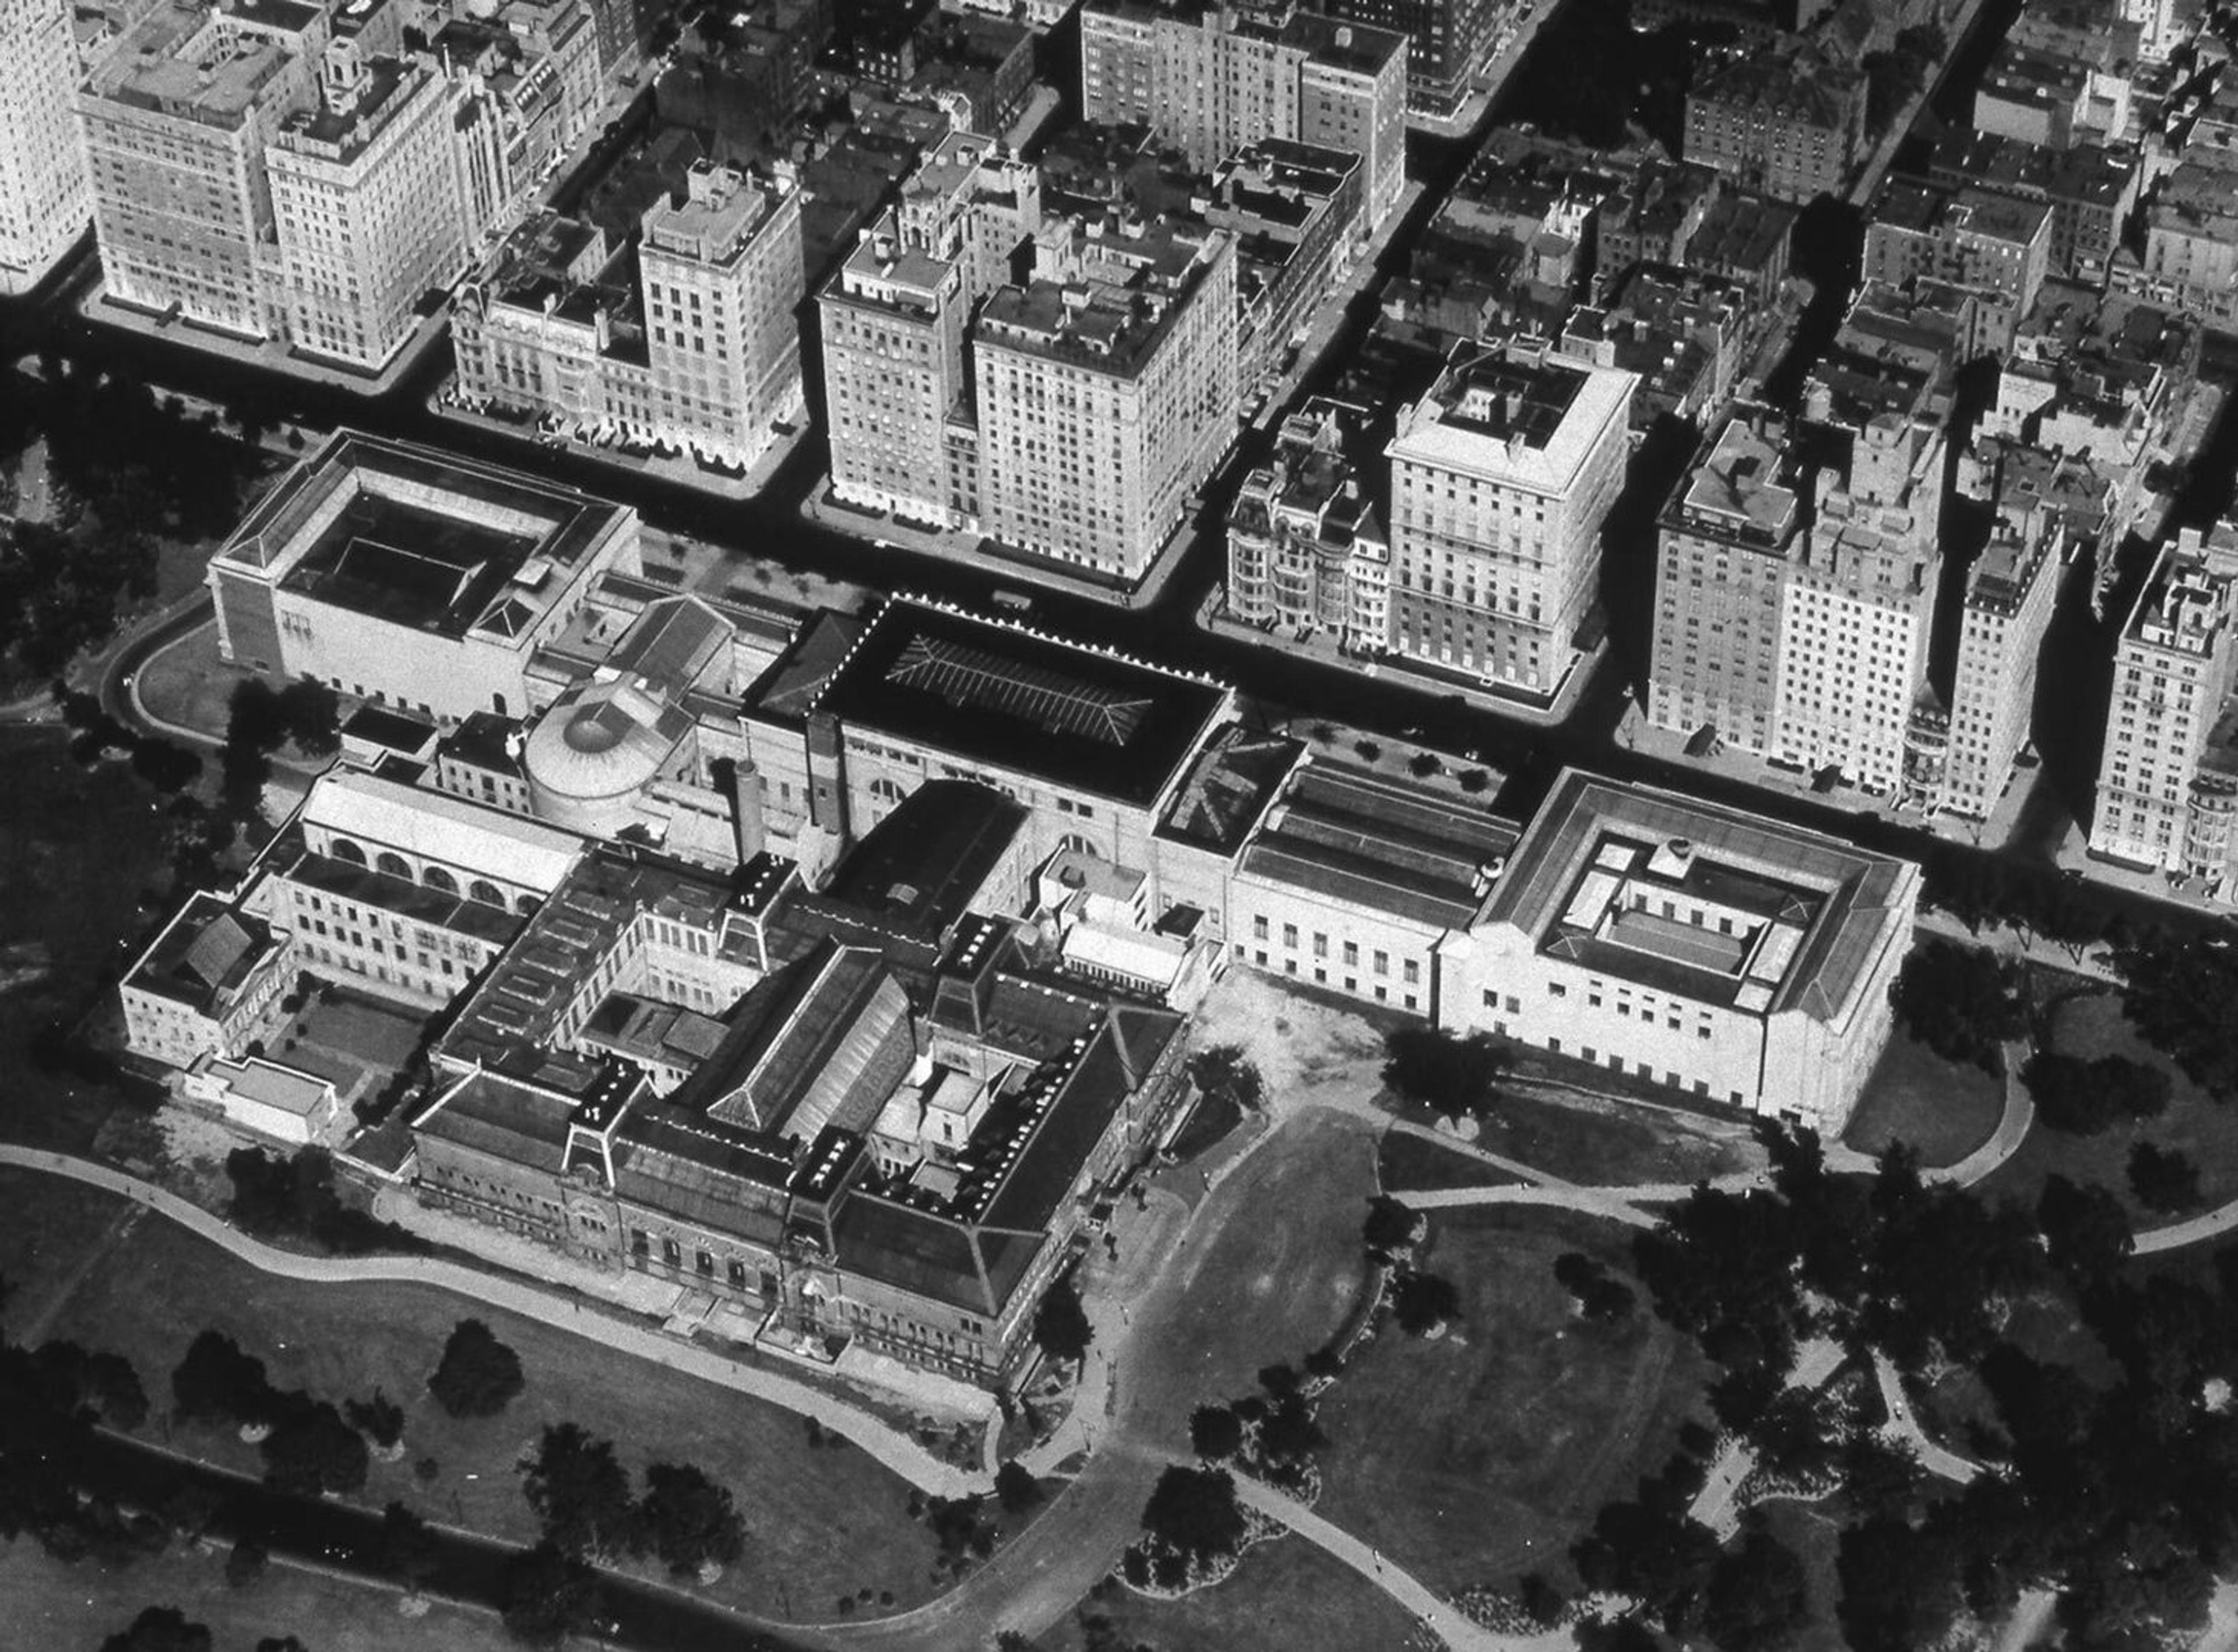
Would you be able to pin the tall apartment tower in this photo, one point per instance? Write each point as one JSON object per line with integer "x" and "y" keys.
{"x": 176, "y": 121}
{"x": 2168, "y": 780}
{"x": 893, "y": 318}
{"x": 1727, "y": 542}
{"x": 1214, "y": 80}
{"x": 45, "y": 198}
{"x": 1106, "y": 391}
{"x": 365, "y": 205}
{"x": 1448, "y": 44}
{"x": 1501, "y": 479}
{"x": 722, "y": 274}
{"x": 1859, "y": 612}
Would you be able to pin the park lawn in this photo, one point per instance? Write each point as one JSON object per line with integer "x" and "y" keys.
{"x": 2094, "y": 1024}
{"x": 1287, "y": 1596}
{"x": 820, "y": 1523}
{"x": 48, "y": 1227}
{"x": 1807, "y": 1529}
{"x": 1605, "y": 1144}
{"x": 1942, "y": 1108}
{"x": 73, "y": 1609}
{"x": 1480, "y": 1456}
{"x": 1407, "y": 1163}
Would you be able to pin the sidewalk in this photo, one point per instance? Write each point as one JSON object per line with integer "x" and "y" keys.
{"x": 98, "y": 308}
{"x": 895, "y": 1450}
{"x": 683, "y": 470}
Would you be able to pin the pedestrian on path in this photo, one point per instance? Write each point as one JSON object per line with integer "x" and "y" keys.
{"x": 1376, "y": 1555}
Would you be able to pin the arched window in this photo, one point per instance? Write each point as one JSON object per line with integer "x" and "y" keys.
{"x": 393, "y": 863}
{"x": 525, "y": 905}
{"x": 1078, "y": 843}
{"x": 436, "y": 878}
{"x": 345, "y": 851}
{"x": 487, "y": 892}
{"x": 886, "y": 791}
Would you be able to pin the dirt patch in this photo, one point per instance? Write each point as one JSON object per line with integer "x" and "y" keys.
{"x": 1301, "y": 1046}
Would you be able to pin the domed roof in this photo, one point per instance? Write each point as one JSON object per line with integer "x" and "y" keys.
{"x": 602, "y": 741}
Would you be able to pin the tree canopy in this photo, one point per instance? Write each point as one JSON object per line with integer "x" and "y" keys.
{"x": 1447, "y": 1070}
{"x": 478, "y": 1375}
{"x": 1061, "y": 1326}
{"x": 2183, "y": 997}
{"x": 690, "y": 1521}
{"x": 1194, "y": 1511}
{"x": 1961, "y": 1002}
{"x": 2086, "y": 1097}
{"x": 580, "y": 1491}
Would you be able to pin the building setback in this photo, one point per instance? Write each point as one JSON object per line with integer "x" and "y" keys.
{"x": 45, "y": 200}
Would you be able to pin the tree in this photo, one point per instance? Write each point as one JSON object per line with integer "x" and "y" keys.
{"x": 1435, "y": 1068}
{"x": 1194, "y": 1512}
{"x": 311, "y": 712}
{"x": 1215, "y": 1432}
{"x": 1963, "y": 1003}
{"x": 1392, "y": 1226}
{"x": 1757, "y": 1596}
{"x": 1224, "y": 1070}
{"x": 1899, "y": 1586}
{"x": 2086, "y": 1098}
{"x": 2183, "y": 1000}
{"x": 217, "y": 1382}
{"x": 165, "y": 765}
{"x": 1016, "y": 1489}
{"x": 1600, "y": 1298}
{"x": 478, "y": 1375}
{"x": 312, "y": 1451}
{"x": 691, "y": 1522}
{"x": 1650, "y": 1550}
{"x": 1289, "y": 1433}
{"x": 550, "y": 1596}
{"x": 2085, "y": 1229}
{"x": 408, "y": 1550}
{"x": 1424, "y": 1304}
{"x": 1061, "y": 1327}
{"x": 380, "y": 1419}
{"x": 579, "y": 1490}
{"x": 160, "y": 1629}
{"x": 2162, "y": 1178}
{"x": 245, "y": 1561}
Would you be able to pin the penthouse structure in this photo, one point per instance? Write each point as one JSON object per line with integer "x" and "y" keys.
{"x": 2168, "y": 780}
{"x": 1501, "y": 479}
{"x": 45, "y": 199}
{"x": 365, "y": 205}
{"x": 1741, "y": 961}
{"x": 177, "y": 119}
{"x": 1106, "y": 394}
{"x": 1214, "y": 80}
{"x": 1789, "y": 124}
{"x": 400, "y": 575}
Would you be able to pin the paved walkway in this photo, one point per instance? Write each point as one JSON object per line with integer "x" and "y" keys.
{"x": 1457, "y": 1631}
{"x": 896, "y": 1451}
{"x": 1717, "y": 1505}
{"x": 1902, "y": 1426}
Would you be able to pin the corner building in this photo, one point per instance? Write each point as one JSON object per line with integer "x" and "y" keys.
{"x": 1501, "y": 479}
{"x": 45, "y": 198}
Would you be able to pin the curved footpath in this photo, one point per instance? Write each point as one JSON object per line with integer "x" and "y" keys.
{"x": 895, "y": 1450}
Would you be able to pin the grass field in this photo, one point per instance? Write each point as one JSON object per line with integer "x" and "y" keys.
{"x": 820, "y": 1521}
{"x": 1287, "y": 1596}
{"x": 1941, "y": 1109}
{"x": 2093, "y": 1025}
{"x": 1602, "y": 1143}
{"x": 73, "y": 1609}
{"x": 1478, "y": 1457}
{"x": 1407, "y": 1163}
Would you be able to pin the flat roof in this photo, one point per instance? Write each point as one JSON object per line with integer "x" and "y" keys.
{"x": 995, "y": 693}
{"x": 1820, "y": 909}
{"x": 922, "y": 866}
{"x": 418, "y": 538}
{"x": 1533, "y": 422}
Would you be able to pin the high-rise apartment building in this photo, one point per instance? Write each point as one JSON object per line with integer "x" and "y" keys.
{"x": 1214, "y": 80}
{"x": 2168, "y": 779}
{"x": 1449, "y": 44}
{"x": 365, "y": 205}
{"x": 1726, "y": 542}
{"x": 1858, "y": 613}
{"x": 894, "y": 318}
{"x": 44, "y": 199}
{"x": 1501, "y": 479}
{"x": 176, "y": 120}
{"x": 1106, "y": 393}
{"x": 723, "y": 274}
{"x": 1960, "y": 756}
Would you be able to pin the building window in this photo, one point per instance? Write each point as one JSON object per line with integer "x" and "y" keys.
{"x": 1259, "y": 928}
{"x": 671, "y": 1252}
